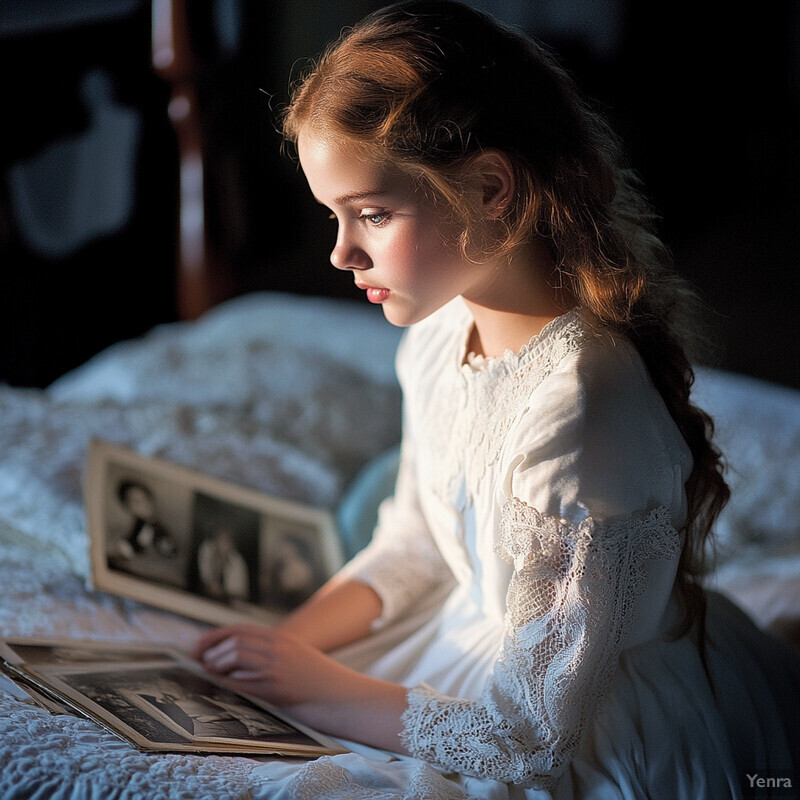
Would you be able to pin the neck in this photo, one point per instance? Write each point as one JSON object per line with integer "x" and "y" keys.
{"x": 515, "y": 305}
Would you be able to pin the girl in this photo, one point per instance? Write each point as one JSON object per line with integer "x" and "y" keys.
{"x": 529, "y": 617}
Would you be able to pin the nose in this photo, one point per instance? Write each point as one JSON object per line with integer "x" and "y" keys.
{"x": 347, "y": 254}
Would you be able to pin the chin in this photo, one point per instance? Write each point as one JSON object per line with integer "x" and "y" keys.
{"x": 401, "y": 316}
{"x": 402, "y": 319}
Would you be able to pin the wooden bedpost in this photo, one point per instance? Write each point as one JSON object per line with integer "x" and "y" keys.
{"x": 201, "y": 279}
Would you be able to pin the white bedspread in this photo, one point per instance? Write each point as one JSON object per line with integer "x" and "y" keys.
{"x": 293, "y": 396}
{"x": 285, "y": 394}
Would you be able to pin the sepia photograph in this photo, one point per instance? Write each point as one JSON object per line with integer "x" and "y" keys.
{"x": 154, "y": 697}
{"x": 291, "y": 566}
{"x": 174, "y": 538}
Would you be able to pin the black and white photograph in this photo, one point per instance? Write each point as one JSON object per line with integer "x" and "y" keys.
{"x": 291, "y": 566}
{"x": 37, "y": 651}
{"x": 203, "y": 711}
{"x": 215, "y": 551}
{"x": 225, "y": 548}
{"x": 155, "y": 698}
{"x": 147, "y": 528}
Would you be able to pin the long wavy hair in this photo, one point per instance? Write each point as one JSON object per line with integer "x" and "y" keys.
{"x": 427, "y": 85}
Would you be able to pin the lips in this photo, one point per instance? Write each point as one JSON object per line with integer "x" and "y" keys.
{"x": 375, "y": 294}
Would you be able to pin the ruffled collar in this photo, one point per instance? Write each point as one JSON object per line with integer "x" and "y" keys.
{"x": 510, "y": 361}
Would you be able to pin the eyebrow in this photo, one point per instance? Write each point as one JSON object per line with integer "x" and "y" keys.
{"x": 353, "y": 197}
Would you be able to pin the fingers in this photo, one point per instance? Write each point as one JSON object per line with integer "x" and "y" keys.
{"x": 223, "y": 656}
{"x": 217, "y": 635}
{"x": 267, "y": 662}
{"x": 238, "y": 651}
{"x": 247, "y": 652}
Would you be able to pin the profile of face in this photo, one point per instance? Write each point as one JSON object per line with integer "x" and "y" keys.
{"x": 395, "y": 241}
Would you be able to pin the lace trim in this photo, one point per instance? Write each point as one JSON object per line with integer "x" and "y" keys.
{"x": 542, "y": 547}
{"x": 570, "y": 605}
{"x": 511, "y": 360}
{"x": 474, "y": 410}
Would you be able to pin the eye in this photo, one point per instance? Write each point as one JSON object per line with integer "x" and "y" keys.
{"x": 376, "y": 218}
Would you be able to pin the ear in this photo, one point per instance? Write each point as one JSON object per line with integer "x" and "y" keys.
{"x": 497, "y": 181}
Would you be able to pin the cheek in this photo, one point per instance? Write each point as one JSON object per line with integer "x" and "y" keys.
{"x": 429, "y": 250}
{"x": 406, "y": 255}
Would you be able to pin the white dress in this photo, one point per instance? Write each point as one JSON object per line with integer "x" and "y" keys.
{"x": 526, "y": 564}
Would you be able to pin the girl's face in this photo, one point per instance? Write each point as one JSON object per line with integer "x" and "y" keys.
{"x": 393, "y": 240}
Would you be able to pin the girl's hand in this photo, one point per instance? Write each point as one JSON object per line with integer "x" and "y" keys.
{"x": 281, "y": 668}
{"x": 272, "y": 664}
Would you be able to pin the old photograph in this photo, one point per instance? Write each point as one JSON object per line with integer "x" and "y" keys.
{"x": 154, "y": 697}
{"x": 43, "y": 651}
{"x": 292, "y": 567}
{"x": 224, "y": 550}
{"x": 190, "y": 543}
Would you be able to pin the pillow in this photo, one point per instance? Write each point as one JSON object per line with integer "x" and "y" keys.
{"x": 757, "y": 538}
{"x": 256, "y": 341}
{"x": 758, "y": 430}
{"x": 358, "y": 511}
{"x": 316, "y": 374}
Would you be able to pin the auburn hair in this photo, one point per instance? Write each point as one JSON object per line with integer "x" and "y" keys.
{"x": 429, "y": 84}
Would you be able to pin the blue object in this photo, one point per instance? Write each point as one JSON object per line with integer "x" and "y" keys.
{"x": 358, "y": 511}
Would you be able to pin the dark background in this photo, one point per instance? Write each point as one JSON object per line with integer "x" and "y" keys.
{"x": 706, "y": 103}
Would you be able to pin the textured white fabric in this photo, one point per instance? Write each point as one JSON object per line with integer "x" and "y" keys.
{"x": 262, "y": 391}
{"x": 551, "y": 482}
{"x": 570, "y": 606}
{"x": 239, "y": 394}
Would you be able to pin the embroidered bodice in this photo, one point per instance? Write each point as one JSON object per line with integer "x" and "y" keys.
{"x": 547, "y": 487}
{"x": 474, "y": 406}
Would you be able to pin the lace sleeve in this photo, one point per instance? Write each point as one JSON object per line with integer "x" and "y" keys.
{"x": 570, "y": 603}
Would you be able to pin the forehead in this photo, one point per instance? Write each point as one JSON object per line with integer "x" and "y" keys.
{"x": 340, "y": 174}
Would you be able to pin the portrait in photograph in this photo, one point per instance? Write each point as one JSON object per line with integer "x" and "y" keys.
{"x": 225, "y": 544}
{"x": 193, "y": 544}
{"x": 291, "y": 566}
{"x": 147, "y": 531}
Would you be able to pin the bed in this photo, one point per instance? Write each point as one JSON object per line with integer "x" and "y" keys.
{"x": 294, "y": 396}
